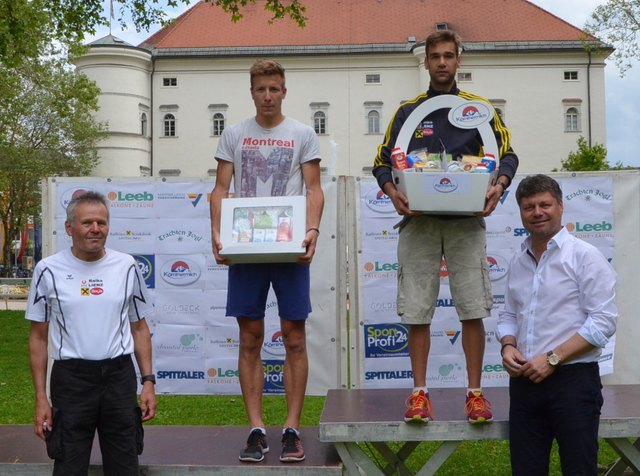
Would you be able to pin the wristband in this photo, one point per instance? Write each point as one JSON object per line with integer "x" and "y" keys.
{"x": 503, "y": 185}
{"x": 314, "y": 229}
{"x": 505, "y": 345}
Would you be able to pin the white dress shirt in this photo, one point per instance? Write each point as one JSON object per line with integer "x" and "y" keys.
{"x": 571, "y": 289}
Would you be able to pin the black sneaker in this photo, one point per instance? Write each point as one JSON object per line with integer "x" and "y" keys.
{"x": 292, "y": 450}
{"x": 256, "y": 447}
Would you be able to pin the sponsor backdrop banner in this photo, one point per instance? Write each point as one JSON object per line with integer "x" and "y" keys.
{"x": 588, "y": 214}
{"x": 165, "y": 226}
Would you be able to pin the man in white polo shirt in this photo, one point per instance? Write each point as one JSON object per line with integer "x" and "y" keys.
{"x": 87, "y": 306}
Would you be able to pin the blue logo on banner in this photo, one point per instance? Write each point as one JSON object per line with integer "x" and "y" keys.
{"x": 273, "y": 376}
{"x": 147, "y": 265}
{"x": 385, "y": 340}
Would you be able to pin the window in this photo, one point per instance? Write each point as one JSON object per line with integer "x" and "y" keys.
{"x": 169, "y": 82}
{"x": 218, "y": 117}
{"x": 572, "y": 114}
{"x": 373, "y": 122}
{"x": 169, "y": 123}
{"x": 440, "y": 26}
{"x": 570, "y": 75}
{"x": 571, "y": 120}
{"x": 143, "y": 124}
{"x": 464, "y": 77}
{"x": 218, "y": 124}
{"x": 320, "y": 122}
{"x": 373, "y": 113}
{"x": 143, "y": 117}
{"x": 372, "y": 79}
{"x": 169, "y": 172}
{"x": 319, "y": 117}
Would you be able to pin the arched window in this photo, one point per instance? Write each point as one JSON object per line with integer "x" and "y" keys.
{"x": 320, "y": 122}
{"x": 572, "y": 119}
{"x": 143, "y": 124}
{"x": 218, "y": 123}
{"x": 169, "y": 123}
{"x": 373, "y": 122}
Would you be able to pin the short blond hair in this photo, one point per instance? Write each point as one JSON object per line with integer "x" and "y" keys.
{"x": 266, "y": 67}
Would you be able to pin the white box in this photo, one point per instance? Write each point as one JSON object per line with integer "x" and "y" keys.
{"x": 461, "y": 193}
{"x": 263, "y": 229}
{"x": 441, "y": 193}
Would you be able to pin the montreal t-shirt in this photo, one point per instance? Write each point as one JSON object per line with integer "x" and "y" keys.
{"x": 267, "y": 162}
{"x": 88, "y": 305}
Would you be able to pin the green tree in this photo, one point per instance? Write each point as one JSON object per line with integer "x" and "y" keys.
{"x": 617, "y": 22}
{"x": 586, "y": 158}
{"x": 26, "y": 24}
{"x": 47, "y": 128}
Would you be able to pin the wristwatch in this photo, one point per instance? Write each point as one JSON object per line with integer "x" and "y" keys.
{"x": 503, "y": 185}
{"x": 148, "y": 378}
{"x": 553, "y": 359}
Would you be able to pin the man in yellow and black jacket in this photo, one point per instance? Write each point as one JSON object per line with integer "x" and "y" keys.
{"x": 425, "y": 239}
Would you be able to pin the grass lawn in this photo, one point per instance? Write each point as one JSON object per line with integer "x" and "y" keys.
{"x": 16, "y": 407}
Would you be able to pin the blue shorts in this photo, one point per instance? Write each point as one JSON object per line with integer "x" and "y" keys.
{"x": 249, "y": 285}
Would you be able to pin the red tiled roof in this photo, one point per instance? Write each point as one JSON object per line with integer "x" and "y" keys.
{"x": 361, "y": 22}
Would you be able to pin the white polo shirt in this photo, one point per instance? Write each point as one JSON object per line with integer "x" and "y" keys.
{"x": 88, "y": 305}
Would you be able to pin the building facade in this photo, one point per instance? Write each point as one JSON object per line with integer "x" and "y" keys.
{"x": 167, "y": 100}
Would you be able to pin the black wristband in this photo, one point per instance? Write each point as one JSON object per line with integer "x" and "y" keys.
{"x": 503, "y": 185}
{"x": 148, "y": 378}
{"x": 504, "y": 345}
{"x": 314, "y": 229}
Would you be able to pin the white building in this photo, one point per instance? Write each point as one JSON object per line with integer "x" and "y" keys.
{"x": 167, "y": 100}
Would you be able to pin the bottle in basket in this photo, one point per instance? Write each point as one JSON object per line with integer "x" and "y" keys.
{"x": 399, "y": 159}
{"x": 490, "y": 160}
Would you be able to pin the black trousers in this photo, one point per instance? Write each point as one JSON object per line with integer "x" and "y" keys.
{"x": 95, "y": 395}
{"x": 566, "y": 406}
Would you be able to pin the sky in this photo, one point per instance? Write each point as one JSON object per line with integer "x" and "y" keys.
{"x": 623, "y": 139}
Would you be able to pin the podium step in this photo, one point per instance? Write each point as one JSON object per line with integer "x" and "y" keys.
{"x": 179, "y": 450}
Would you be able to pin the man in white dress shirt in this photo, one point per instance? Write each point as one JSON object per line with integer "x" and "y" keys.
{"x": 560, "y": 311}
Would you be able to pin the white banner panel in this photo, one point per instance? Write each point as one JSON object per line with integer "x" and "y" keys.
{"x": 379, "y": 304}
{"x": 132, "y": 199}
{"x": 216, "y": 302}
{"x": 588, "y": 214}
{"x": 180, "y": 271}
{"x": 184, "y": 374}
{"x": 165, "y": 225}
{"x": 222, "y": 376}
{"x": 388, "y": 373}
{"x": 186, "y": 236}
{"x": 223, "y": 340}
{"x": 215, "y": 276}
{"x": 65, "y": 191}
{"x": 182, "y": 306}
{"x": 131, "y": 235}
{"x": 183, "y": 199}
{"x": 180, "y": 340}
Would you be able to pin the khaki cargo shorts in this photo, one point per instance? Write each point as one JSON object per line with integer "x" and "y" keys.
{"x": 422, "y": 243}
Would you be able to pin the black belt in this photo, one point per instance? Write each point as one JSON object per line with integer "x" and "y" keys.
{"x": 116, "y": 362}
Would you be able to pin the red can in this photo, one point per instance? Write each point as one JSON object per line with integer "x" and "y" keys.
{"x": 399, "y": 159}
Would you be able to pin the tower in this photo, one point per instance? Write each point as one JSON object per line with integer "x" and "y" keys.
{"x": 123, "y": 74}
